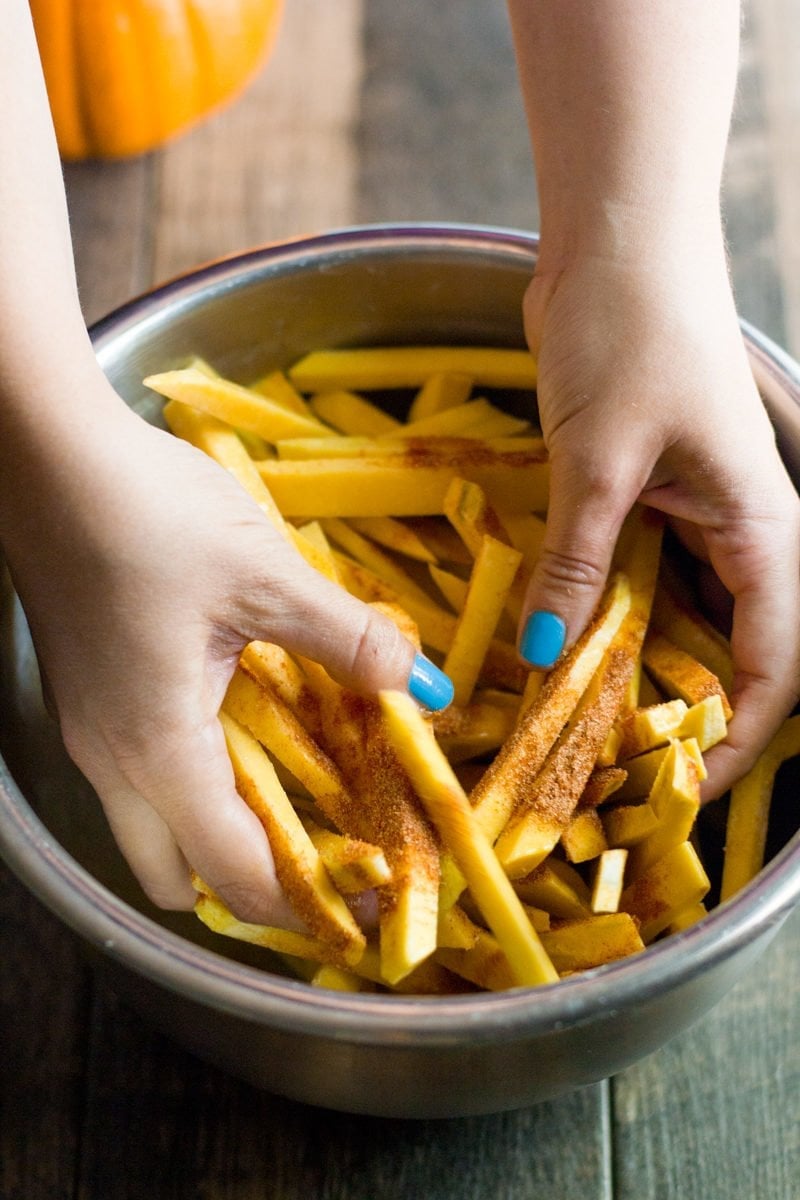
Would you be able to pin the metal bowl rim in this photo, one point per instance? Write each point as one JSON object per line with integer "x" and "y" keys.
{"x": 180, "y": 966}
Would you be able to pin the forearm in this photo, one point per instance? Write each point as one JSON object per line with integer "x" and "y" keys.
{"x": 629, "y": 106}
{"x": 52, "y": 393}
{"x": 37, "y": 282}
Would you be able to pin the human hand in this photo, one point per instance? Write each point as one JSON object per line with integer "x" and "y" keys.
{"x": 645, "y": 393}
{"x": 144, "y": 570}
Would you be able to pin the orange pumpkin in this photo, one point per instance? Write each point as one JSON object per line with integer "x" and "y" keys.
{"x": 124, "y": 75}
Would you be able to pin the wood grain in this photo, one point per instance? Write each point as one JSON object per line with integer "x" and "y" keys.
{"x": 160, "y": 1123}
{"x": 44, "y": 990}
{"x": 716, "y": 1114}
{"x": 278, "y": 163}
{"x": 442, "y": 133}
{"x": 776, "y": 39}
{"x": 371, "y": 112}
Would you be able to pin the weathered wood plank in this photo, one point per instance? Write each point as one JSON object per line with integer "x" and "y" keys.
{"x": 161, "y": 1123}
{"x": 442, "y": 135}
{"x": 776, "y": 37}
{"x": 749, "y": 199}
{"x": 110, "y": 217}
{"x": 716, "y": 1114}
{"x": 278, "y": 163}
{"x": 43, "y": 1000}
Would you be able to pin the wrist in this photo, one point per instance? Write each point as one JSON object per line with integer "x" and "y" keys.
{"x": 633, "y": 234}
{"x": 57, "y": 441}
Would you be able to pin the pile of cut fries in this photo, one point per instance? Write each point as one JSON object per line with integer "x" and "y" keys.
{"x": 544, "y": 824}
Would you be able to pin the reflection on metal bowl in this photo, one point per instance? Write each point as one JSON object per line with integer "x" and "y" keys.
{"x": 378, "y": 1054}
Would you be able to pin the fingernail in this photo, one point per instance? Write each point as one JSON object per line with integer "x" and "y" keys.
{"x": 542, "y": 639}
{"x": 429, "y": 686}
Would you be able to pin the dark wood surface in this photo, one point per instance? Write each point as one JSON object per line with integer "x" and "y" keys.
{"x": 369, "y": 112}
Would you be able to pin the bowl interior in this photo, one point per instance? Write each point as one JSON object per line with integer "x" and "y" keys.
{"x": 258, "y": 312}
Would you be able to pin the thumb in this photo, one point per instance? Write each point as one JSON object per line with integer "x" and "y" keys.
{"x": 586, "y": 510}
{"x": 358, "y": 645}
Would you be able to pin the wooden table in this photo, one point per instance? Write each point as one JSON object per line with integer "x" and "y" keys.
{"x": 368, "y": 112}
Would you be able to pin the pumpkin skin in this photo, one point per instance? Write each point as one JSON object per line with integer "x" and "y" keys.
{"x": 123, "y": 76}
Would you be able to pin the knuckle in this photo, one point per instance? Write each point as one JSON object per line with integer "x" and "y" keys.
{"x": 247, "y": 902}
{"x": 560, "y": 571}
{"x": 166, "y": 897}
{"x": 379, "y": 652}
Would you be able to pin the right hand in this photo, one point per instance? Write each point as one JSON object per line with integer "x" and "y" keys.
{"x": 645, "y": 394}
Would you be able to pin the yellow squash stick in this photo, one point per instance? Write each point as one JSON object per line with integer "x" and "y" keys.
{"x": 220, "y": 442}
{"x": 501, "y": 666}
{"x": 385, "y": 812}
{"x": 218, "y": 917}
{"x": 297, "y": 863}
{"x": 410, "y": 484}
{"x": 522, "y": 757}
{"x": 441, "y": 390}
{"x": 490, "y": 582}
{"x": 666, "y": 889}
{"x": 308, "y": 951}
{"x": 748, "y": 816}
{"x": 409, "y": 367}
{"x": 641, "y": 771}
{"x": 678, "y": 673}
{"x": 628, "y": 824}
{"x": 557, "y": 888}
{"x": 545, "y": 809}
{"x": 277, "y": 387}
{"x": 453, "y": 587}
{"x": 239, "y": 406}
{"x": 353, "y": 415}
{"x": 336, "y": 979}
{"x": 675, "y": 799}
{"x": 609, "y": 878}
{"x": 253, "y": 703}
{"x": 450, "y": 448}
{"x": 584, "y": 837}
{"x": 472, "y": 516}
{"x": 449, "y": 810}
{"x": 274, "y": 667}
{"x": 599, "y": 939}
{"x": 353, "y": 865}
{"x": 365, "y": 551}
{"x": 476, "y": 418}
{"x": 475, "y": 730}
{"x": 394, "y": 535}
{"x": 684, "y": 626}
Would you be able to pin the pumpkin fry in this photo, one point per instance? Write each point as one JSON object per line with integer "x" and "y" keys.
{"x": 239, "y": 406}
{"x": 447, "y": 805}
{"x": 409, "y": 366}
{"x": 297, "y": 864}
{"x": 748, "y": 816}
{"x": 443, "y": 506}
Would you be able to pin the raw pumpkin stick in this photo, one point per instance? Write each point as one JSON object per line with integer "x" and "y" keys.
{"x": 447, "y": 806}
{"x": 612, "y": 736}
{"x": 298, "y": 866}
{"x": 409, "y": 367}
{"x": 748, "y": 816}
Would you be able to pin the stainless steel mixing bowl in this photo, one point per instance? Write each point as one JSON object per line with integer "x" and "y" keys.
{"x": 383, "y": 1055}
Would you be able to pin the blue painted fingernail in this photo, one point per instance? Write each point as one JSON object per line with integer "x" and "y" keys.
{"x": 429, "y": 686}
{"x": 542, "y": 639}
